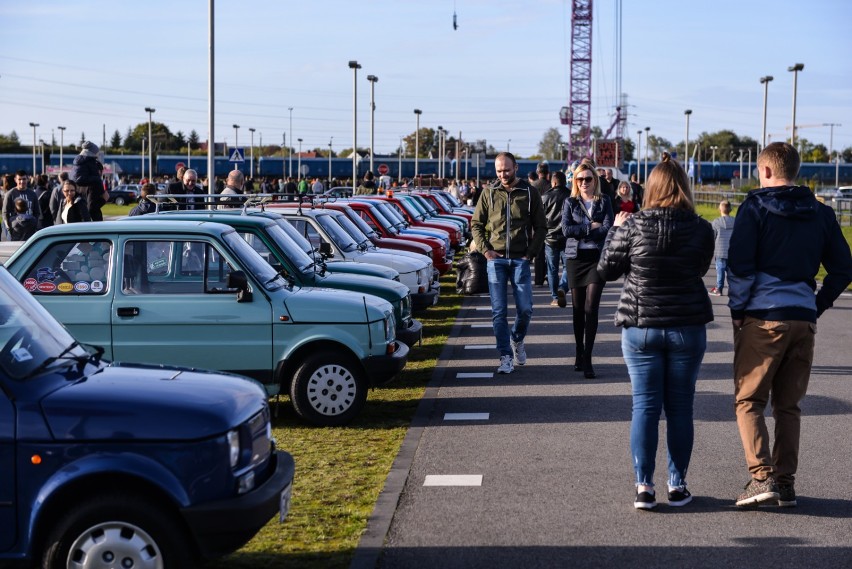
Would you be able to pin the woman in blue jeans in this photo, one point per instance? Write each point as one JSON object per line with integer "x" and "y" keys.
{"x": 663, "y": 252}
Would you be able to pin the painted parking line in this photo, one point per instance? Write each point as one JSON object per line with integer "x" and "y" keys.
{"x": 481, "y": 347}
{"x": 453, "y": 480}
{"x": 482, "y": 325}
{"x": 466, "y": 416}
{"x": 474, "y": 375}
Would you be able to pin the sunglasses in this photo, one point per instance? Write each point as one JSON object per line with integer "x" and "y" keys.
{"x": 584, "y": 179}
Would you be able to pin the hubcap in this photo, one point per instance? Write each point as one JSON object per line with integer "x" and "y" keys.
{"x": 116, "y": 545}
{"x": 331, "y": 390}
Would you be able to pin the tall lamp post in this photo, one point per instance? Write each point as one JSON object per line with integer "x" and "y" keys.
{"x": 34, "y": 125}
{"x": 765, "y": 82}
{"x": 686, "y": 113}
{"x": 440, "y": 152}
{"x": 647, "y": 146}
{"x": 236, "y": 140}
{"x": 251, "y": 164}
{"x": 713, "y": 158}
{"x": 639, "y": 155}
{"x": 795, "y": 69}
{"x": 831, "y": 150}
{"x": 150, "y": 111}
{"x": 354, "y": 66}
{"x": 61, "y": 144}
{"x": 290, "y": 154}
{"x": 417, "y": 113}
{"x": 372, "y": 79}
{"x": 299, "y": 159}
{"x": 329, "y": 161}
{"x": 142, "y": 170}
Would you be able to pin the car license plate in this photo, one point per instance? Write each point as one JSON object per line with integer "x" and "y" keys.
{"x": 284, "y": 503}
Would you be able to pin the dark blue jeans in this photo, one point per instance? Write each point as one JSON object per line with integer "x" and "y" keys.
{"x": 663, "y": 366}
{"x": 515, "y": 272}
{"x": 552, "y": 256}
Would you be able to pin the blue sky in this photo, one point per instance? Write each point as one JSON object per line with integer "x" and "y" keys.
{"x": 503, "y": 75}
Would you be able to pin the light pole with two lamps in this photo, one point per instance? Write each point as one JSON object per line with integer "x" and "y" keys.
{"x": 373, "y": 80}
{"x": 354, "y": 66}
{"x": 150, "y": 111}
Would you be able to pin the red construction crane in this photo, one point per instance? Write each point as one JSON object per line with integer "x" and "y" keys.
{"x": 578, "y": 114}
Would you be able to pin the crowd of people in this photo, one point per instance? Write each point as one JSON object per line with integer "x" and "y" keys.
{"x": 601, "y": 229}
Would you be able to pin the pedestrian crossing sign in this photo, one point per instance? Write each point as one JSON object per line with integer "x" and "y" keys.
{"x": 237, "y": 155}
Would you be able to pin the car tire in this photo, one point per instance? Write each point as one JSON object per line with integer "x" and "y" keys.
{"x": 119, "y": 201}
{"x": 117, "y": 526}
{"x": 328, "y": 389}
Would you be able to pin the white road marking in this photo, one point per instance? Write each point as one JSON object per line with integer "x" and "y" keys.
{"x": 453, "y": 480}
{"x": 466, "y": 416}
{"x": 474, "y": 375}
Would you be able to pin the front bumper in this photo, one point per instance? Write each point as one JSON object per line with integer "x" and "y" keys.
{"x": 423, "y": 300}
{"x": 411, "y": 335}
{"x": 382, "y": 369}
{"x": 224, "y": 526}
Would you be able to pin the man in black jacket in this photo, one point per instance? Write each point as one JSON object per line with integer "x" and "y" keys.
{"x": 554, "y": 243}
{"x": 781, "y": 236}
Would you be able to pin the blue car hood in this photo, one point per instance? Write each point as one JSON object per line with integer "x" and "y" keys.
{"x": 136, "y": 402}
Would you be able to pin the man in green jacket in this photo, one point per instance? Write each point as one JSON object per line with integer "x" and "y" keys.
{"x": 509, "y": 228}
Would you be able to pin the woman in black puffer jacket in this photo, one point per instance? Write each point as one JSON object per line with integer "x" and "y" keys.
{"x": 663, "y": 252}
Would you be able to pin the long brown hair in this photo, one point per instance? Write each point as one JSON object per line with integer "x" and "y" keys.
{"x": 668, "y": 186}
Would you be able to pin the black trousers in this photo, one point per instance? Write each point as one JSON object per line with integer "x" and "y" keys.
{"x": 540, "y": 268}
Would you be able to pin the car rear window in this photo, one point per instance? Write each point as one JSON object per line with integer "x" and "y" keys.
{"x": 71, "y": 267}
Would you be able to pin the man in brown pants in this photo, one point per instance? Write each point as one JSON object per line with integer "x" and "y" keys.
{"x": 781, "y": 236}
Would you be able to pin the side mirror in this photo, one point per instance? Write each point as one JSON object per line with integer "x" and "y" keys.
{"x": 325, "y": 250}
{"x": 238, "y": 280}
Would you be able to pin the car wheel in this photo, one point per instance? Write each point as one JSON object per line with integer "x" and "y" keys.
{"x": 328, "y": 389}
{"x": 115, "y": 530}
{"x": 119, "y": 201}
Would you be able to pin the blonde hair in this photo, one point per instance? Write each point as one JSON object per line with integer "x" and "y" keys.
{"x": 629, "y": 189}
{"x": 668, "y": 186}
{"x": 575, "y": 188}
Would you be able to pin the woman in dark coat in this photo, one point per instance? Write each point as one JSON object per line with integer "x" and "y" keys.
{"x": 73, "y": 208}
{"x": 586, "y": 218}
{"x": 663, "y": 252}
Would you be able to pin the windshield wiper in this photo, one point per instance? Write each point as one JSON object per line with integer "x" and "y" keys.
{"x": 79, "y": 359}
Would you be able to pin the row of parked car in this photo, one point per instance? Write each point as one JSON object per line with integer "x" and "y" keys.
{"x": 160, "y": 462}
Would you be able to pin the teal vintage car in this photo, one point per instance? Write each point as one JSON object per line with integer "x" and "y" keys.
{"x": 266, "y": 236}
{"x": 197, "y": 294}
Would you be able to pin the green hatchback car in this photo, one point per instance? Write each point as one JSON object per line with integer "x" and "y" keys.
{"x": 196, "y": 294}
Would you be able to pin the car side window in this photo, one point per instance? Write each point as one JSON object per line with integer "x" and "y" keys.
{"x": 258, "y": 245}
{"x": 363, "y": 215}
{"x": 173, "y": 267}
{"x": 307, "y": 231}
{"x": 71, "y": 267}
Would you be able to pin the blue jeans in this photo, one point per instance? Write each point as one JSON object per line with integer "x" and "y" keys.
{"x": 517, "y": 273}
{"x": 552, "y": 256}
{"x": 663, "y": 366}
{"x": 721, "y": 267}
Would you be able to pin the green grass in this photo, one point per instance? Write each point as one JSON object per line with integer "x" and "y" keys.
{"x": 341, "y": 471}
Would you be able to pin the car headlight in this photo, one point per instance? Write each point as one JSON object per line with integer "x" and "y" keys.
{"x": 234, "y": 447}
{"x": 405, "y": 307}
{"x": 390, "y": 329}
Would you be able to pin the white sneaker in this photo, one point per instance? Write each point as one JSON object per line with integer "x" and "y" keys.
{"x": 520, "y": 352}
{"x": 506, "y": 365}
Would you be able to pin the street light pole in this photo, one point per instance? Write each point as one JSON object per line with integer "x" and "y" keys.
{"x": 647, "y": 145}
{"x": 638, "y": 155}
{"x": 417, "y": 113}
{"x": 251, "y": 164}
{"x": 354, "y": 66}
{"x": 687, "y": 112}
{"x": 329, "y": 161}
{"x": 34, "y": 125}
{"x": 290, "y": 154}
{"x": 236, "y": 141}
{"x": 713, "y": 159}
{"x": 440, "y": 152}
{"x": 372, "y": 79}
{"x": 142, "y": 170}
{"x": 831, "y": 151}
{"x": 61, "y": 144}
{"x": 795, "y": 69}
{"x": 765, "y": 82}
{"x": 150, "y": 111}
{"x": 299, "y": 160}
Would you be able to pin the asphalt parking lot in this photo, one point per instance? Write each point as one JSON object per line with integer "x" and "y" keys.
{"x": 539, "y": 464}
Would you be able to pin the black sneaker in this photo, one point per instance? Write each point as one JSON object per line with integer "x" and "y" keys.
{"x": 561, "y": 302}
{"x": 680, "y": 496}
{"x": 787, "y": 496}
{"x": 645, "y": 501}
{"x": 759, "y": 492}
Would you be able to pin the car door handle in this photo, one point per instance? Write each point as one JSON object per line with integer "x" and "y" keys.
{"x": 127, "y": 311}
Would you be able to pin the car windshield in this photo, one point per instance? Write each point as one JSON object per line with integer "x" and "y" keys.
{"x": 442, "y": 199}
{"x": 452, "y": 200}
{"x": 352, "y": 229}
{"x": 299, "y": 257}
{"x": 340, "y": 237}
{"x": 253, "y": 263}
{"x": 425, "y": 204}
{"x": 30, "y": 336}
{"x": 382, "y": 219}
{"x": 362, "y": 225}
{"x": 391, "y": 214}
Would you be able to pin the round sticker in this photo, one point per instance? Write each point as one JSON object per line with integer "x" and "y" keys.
{"x": 65, "y": 287}
{"x": 30, "y": 284}
{"x": 97, "y": 286}
{"x": 81, "y": 286}
{"x": 46, "y": 287}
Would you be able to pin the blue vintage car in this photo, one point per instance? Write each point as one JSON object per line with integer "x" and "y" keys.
{"x": 121, "y": 464}
{"x": 196, "y": 294}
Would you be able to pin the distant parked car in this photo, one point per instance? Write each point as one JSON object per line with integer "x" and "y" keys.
{"x": 844, "y": 192}
{"x": 124, "y": 194}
